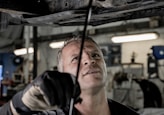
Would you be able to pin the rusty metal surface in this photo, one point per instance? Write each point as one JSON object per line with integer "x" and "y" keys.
{"x": 69, "y": 13}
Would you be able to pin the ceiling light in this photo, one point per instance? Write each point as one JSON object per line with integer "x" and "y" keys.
{"x": 135, "y": 37}
{"x": 23, "y": 51}
{"x": 56, "y": 44}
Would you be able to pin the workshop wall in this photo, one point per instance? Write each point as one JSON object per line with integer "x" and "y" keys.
{"x": 48, "y": 55}
{"x": 7, "y": 61}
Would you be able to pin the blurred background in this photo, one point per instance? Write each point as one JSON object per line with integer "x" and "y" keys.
{"x": 135, "y": 66}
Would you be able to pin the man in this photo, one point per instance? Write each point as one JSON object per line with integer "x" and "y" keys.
{"x": 92, "y": 79}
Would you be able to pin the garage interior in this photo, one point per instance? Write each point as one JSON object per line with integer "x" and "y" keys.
{"x": 133, "y": 67}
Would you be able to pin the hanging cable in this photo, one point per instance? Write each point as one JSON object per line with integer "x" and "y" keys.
{"x": 87, "y": 20}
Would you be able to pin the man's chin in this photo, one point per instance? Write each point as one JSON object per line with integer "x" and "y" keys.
{"x": 93, "y": 88}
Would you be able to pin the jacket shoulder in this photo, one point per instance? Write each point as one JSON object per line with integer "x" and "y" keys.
{"x": 117, "y": 108}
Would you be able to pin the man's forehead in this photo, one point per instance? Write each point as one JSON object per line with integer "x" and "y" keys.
{"x": 87, "y": 44}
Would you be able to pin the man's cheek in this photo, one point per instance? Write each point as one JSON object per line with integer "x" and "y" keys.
{"x": 72, "y": 70}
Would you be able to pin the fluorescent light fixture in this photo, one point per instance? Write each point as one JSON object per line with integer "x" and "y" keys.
{"x": 135, "y": 37}
{"x": 23, "y": 51}
{"x": 56, "y": 44}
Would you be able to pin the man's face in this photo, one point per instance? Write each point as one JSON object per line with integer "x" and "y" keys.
{"x": 92, "y": 72}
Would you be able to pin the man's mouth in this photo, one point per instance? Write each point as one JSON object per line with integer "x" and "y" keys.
{"x": 91, "y": 72}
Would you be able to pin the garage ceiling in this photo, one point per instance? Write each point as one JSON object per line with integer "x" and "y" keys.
{"x": 72, "y": 12}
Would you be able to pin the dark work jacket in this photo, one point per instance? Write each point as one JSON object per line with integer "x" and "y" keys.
{"x": 119, "y": 109}
{"x": 115, "y": 108}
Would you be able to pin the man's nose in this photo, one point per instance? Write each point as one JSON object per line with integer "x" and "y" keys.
{"x": 88, "y": 59}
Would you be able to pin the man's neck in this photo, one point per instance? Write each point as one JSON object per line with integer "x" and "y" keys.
{"x": 93, "y": 105}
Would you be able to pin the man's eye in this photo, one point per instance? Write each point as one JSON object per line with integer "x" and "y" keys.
{"x": 75, "y": 59}
{"x": 96, "y": 55}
